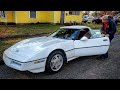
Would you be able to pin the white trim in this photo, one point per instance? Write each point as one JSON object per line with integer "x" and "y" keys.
{"x": 15, "y": 16}
{"x": 29, "y": 14}
{"x": 54, "y": 17}
{"x": 5, "y": 16}
{"x": 36, "y": 14}
{"x": 2, "y": 14}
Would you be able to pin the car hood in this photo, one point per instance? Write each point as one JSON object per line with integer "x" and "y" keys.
{"x": 30, "y": 47}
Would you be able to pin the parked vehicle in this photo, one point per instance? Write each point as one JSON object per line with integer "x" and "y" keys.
{"x": 97, "y": 20}
{"x": 49, "y": 53}
{"x": 87, "y": 18}
{"x": 117, "y": 19}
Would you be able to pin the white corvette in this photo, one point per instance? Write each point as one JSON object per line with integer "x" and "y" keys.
{"x": 51, "y": 52}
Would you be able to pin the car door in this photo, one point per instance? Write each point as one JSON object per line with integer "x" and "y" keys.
{"x": 91, "y": 46}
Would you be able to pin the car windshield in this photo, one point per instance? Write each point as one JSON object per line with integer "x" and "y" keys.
{"x": 66, "y": 34}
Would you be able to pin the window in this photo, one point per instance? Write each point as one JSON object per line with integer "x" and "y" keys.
{"x": 74, "y": 12}
{"x": 70, "y": 34}
{"x": 32, "y": 14}
{"x": 88, "y": 33}
{"x": 2, "y": 14}
{"x": 81, "y": 34}
{"x": 84, "y": 32}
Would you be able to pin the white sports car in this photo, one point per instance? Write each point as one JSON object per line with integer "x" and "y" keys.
{"x": 49, "y": 53}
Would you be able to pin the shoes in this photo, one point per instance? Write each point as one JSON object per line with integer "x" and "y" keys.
{"x": 2, "y": 62}
{"x": 101, "y": 57}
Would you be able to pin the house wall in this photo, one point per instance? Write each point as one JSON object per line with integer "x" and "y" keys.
{"x": 9, "y": 17}
{"x": 57, "y": 16}
{"x": 41, "y": 17}
{"x": 72, "y": 18}
{"x": 68, "y": 18}
{"x": 4, "y": 19}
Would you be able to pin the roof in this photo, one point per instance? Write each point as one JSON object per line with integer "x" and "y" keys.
{"x": 75, "y": 27}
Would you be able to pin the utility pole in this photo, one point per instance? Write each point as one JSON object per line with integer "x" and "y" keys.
{"x": 62, "y": 17}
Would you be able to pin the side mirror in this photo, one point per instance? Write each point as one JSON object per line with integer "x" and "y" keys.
{"x": 84, "y": 39}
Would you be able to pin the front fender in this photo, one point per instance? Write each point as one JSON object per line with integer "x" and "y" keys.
{"x": 65, "y": 46}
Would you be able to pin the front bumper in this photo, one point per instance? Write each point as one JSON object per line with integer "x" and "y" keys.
{"x": 24, "y": 66}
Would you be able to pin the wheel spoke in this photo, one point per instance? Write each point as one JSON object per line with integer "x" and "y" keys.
{"x": 52, "y": 64}
{"x": 56, "y": 62}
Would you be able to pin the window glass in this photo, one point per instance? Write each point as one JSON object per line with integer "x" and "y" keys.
{"x": 74, "y": 12}
{"x": 2, "y": 14}
{"x": 32, "y": 14}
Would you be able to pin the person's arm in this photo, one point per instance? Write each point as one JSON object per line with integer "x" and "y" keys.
{"x": 113, "y": 29}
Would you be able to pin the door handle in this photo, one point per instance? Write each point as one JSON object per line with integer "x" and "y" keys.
{"x": 105, "y": 40}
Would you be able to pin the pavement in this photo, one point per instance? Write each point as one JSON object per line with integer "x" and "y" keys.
{"x": 80, "y": 68}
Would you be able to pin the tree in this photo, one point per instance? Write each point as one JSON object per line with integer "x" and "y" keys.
{"x": 109, "y": 12}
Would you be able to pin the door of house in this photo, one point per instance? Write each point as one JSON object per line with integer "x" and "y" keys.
{"x": 62, "y": 17}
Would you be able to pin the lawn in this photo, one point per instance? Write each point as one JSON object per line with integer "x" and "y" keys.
{"x": 7, "y": 30}
{"x": 29, "y": 30}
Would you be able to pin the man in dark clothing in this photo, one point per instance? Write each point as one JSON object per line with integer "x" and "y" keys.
{"x": 109, "y": 29}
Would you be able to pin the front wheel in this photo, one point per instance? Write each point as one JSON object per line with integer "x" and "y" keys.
{"x": 55, "y": 61}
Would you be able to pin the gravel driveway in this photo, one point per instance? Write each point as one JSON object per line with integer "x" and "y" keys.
{"x": 81, "y": 68}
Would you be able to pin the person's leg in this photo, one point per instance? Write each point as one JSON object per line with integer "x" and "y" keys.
{"x": 110, "y": 38}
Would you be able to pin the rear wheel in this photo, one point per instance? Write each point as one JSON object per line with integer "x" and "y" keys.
{"x": 55, "y": 61}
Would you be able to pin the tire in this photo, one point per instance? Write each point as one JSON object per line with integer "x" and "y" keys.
{"x": 50, "y": 63}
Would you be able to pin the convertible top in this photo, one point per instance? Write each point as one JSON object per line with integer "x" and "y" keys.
{"x": 75, "y": 27}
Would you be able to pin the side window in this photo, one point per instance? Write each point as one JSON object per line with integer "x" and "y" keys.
{"x": 74, "y": 12}
{"x": 81, "y": 34}
{"x": 88, "y": 33}
{"x": 2, "y": 14}
{"x": 32, "y": 14}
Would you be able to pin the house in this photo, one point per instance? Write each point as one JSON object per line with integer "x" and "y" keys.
{"x": 21, "y": 17}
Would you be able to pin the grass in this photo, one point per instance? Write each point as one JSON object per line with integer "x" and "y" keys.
{"x": 7, "y": 30}
{"x": 27, "y": 29}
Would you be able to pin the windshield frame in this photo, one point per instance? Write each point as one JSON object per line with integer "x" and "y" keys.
{"x": 69, "y": 38}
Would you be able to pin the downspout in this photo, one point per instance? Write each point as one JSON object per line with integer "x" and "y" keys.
{"x": 15, "y": 16}
{"x": 6, "y": 17}
{"x": 54, "y": 17}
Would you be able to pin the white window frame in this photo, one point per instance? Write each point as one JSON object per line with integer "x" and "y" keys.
{"x": 75, "y": 13}
{"x": 35, "y": 16}
{"x": 1, "y": 14}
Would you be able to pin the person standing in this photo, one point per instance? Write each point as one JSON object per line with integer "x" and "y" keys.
{"x": 108, "y": 29}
